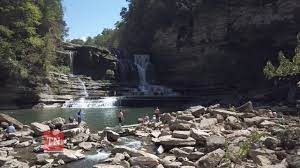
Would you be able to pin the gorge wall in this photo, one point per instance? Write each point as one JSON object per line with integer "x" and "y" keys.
{"x": 197, "y": 43}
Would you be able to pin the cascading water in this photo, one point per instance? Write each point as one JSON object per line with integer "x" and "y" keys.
{"x": 71, "y": 57}
{"x": 142, "y": 63}
{"x": 85, "y": 93}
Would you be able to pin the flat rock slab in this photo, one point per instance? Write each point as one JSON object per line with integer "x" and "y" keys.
{"x": 132, "y": 152}
{"x": 181, "y": 134}
{"x": 225, "y": 112}
{"x": 107, "y": 166}
{"x": 168, "y": 140}
{"x": 9, "y": 119}
{"x": 39, "y": 128}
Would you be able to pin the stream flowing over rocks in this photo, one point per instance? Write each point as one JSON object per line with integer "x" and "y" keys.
{"x": 204, "y": 137}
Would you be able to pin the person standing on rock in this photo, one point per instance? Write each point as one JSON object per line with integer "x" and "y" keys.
{"x": 120, "y": 116}
{"x": 79, "y": 116}
{"x": 157, "y": 114}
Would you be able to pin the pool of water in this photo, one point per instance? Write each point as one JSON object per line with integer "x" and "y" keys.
{"x": 97, "y": 119}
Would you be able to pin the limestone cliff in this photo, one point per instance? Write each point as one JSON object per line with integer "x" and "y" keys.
{"x": 224, "y": 42}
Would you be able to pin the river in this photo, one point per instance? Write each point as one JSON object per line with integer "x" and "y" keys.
{"x": 97, "y": 119}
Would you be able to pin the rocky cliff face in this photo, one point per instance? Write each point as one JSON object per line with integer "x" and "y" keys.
{"x": 224, "y": 42}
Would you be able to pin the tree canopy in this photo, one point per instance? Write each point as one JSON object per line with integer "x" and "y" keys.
{"x": 29, "y": 31}
{"x": 286, "y": 67}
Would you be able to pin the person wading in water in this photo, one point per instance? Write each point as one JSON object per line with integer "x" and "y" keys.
{"x": 120, "y": 116}
{"x": 157, "y": 114}
{"x": 79, "y": 116}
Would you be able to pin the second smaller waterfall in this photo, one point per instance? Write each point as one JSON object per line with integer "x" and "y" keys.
{"x": 85, "y": 93}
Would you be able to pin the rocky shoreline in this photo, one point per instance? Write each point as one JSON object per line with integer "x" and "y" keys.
{"x": 196, "y": 137}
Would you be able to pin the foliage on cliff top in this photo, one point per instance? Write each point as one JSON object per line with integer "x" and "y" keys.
{"x": 29, "y": 33}
{"x": 286, "y": 67}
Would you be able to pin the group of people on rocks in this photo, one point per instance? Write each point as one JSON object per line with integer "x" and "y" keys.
{"x": 146, "y": 119}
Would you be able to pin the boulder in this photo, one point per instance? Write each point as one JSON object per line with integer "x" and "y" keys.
{"x": 233, "y": 122}
{"x": 181, "y": 134}
{"x": 199, "y": 135}
{"x": 224, "y": 112}
{"x": 23, "y": 144}
{"x": 69, "y": 126}
{"x": 155, "y": 133}
{"x": 179, "y": 153}
{"x": 14, "y": 163}
{"x": 9, "y": 143}
{"x": 266, "y": 124}
{"x": 254, "y": 120}
{"x": 185, "y": 117}
{"x": 132, "y": 152}
{"x": 9, "y": 119}
{"x": 247, "y": 107}
{"x": 271, "y": 142}
{"x": 179, "y": 125}
{"x": 293, "y": 161}
{"x": 39, "y": 128}
{"x": 85, "y": 145}
{"x": 207, "y": 123}
{"x": 4, "y": 125}
{"x": 81, "y": 137}
{"x": 197, "y": 111}
{"x": 42, "y": 158}
{"x": 57, "y": 122}
{"x": 95, "y": 138}
{"x": 118, "y": 158}
{"x": 215, "y": 142}
{"x": 112, "y": 136}
{"x": 195, "y": 155}
{"x": 168, "y": 140}
{"x": 107, "y": 166}
{"x": 145, "y": 162}
{"x": 173, "y": 165}
{"x": 211, "y": 159}
{"x": 69, "y": 155}
{"x": 72, "y": 132}
{"x": 166, "y": 118}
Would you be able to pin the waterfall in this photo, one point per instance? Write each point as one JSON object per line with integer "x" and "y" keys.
{"x": 71, "y": 57}
{"x": 85, "y": 93}
{"x": 106, "y": 102}
{"x": 142, "y": 62}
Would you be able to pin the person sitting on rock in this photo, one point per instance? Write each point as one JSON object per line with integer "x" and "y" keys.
{"x": 71, "y": 119}
{"x": 146, "y": 119}
{"x": 10, "y": 129}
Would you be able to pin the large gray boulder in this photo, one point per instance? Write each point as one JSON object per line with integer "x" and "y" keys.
{"x": 211, "y": 159}
{"x": 9, "y": 143}
{"x": 197, "y": 111}
{"x": 112, "y": 136}
{"x": 247, "y": 107}
{"x": 145, "y": 162}
{"x": 39, "y": 128}
{"x": 9, "y": 119}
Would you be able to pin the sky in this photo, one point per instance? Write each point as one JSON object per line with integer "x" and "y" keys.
{"x": 89, "y": 17}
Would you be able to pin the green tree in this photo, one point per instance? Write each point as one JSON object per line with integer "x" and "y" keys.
{"x": 286, "y": 67}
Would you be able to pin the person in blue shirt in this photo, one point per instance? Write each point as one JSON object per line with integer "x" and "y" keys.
{"x": 10, "y": 129}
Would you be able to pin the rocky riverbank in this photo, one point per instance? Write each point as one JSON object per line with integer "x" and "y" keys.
{"x": 197, "y": 137}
